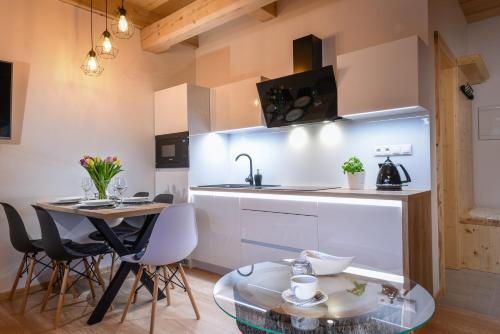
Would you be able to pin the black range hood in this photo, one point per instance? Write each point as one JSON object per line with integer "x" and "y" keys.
{"x": 309, "y": 96}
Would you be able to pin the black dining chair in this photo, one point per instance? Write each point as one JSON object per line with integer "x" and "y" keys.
{"x": 31, "y": 248}
{"x": 67, "y": 258}
{"x": 121, "y": 230}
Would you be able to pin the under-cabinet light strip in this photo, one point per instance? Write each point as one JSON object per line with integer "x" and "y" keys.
{"x": 375, "y": 274}
{"x": 302, "y": 198}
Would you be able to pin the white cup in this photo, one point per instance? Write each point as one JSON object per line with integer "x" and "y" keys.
{"x": 304, "y": 286}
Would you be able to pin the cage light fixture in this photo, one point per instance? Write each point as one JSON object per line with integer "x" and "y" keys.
{"x": 91, "y": 65}
{"x": 105, "y": 48}
{"x": 122, "y": 28}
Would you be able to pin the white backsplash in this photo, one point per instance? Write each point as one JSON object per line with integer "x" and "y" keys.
{"x": 310, "y": 154}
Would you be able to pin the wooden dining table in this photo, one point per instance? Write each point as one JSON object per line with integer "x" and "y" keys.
{"x": 100, "y": 218}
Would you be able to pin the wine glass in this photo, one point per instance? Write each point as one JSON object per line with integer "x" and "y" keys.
{"x": 112, "y": 184}
{"x": 120, "y": 186}
{"x": 86, "y": 186}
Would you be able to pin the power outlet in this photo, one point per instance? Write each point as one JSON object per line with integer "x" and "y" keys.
{"x": 391, "y": 150}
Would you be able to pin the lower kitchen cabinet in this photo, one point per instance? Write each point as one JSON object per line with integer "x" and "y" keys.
{"x": 273, "y": 235}
{"x": 388, "y": 235}
{"x": 371, "y": 233}
{"x": 218, "y": 231}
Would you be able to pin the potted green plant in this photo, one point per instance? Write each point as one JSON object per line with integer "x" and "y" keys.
{"x": 355, "y": 173}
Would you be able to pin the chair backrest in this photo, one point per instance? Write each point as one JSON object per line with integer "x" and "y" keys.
{"x": 174, "y": 236}
{"x": 164, "y": 198}
{"x": 51, "y": 239}
{"x": 141, "y": 194}
{"x": 19, "y": 238}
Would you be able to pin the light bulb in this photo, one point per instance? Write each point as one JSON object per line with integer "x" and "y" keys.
{"x": 92, "y": 63}
{"x": 122, "y": 23}
{"x": 107, "y": 47}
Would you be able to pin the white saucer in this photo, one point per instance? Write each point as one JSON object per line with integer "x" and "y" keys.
{"x": 288, "y": 296}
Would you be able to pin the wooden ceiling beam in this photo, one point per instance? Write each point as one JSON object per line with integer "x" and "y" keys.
{"x": 266, "y": 13}
{"x": 194, "y": 19}
{"x": 139, "y": 16}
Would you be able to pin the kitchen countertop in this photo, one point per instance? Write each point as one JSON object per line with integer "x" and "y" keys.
{"x": 401, "y": 195}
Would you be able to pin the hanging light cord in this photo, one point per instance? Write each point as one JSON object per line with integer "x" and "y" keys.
{"x": 106, "y": 15}
{"x": 91, "y": 24}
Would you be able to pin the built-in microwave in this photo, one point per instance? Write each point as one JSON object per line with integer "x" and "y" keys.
{"x": 172, "y": 150}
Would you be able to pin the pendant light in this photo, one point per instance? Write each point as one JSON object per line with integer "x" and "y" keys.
{"x": 105, "y": 48}
{"x": 122, "y": 28}
{"x": 91, "y": 64}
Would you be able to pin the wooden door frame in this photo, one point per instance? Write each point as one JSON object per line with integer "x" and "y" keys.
{"x": 443, "y": 59}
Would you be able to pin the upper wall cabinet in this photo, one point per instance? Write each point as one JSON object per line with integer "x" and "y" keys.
{"x": 236, "y": 105}
{"x": 381, "y": 80}
{"x": 182, "y": 108}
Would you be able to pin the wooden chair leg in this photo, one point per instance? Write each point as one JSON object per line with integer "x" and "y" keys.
{"x": 112, "y": 266}
{"x": 74, "y": 293}
{"x": 167, "y": 289}
{"x": 18, "y": 276}
{"x": 132, "y": 293}
{"x": 153, "y": 304}
{"x": 60, "y": 302}
{"x": 172, "y": 286}
{"x": 27, "y": 284}
{"x": 188, "y": 289}
{"x": 52, "y": 281}
{"x": 99, "y": 275}
{"x": 89, "y": 277}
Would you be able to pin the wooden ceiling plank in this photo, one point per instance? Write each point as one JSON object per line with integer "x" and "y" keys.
{"x": 476, "y": 6}
{"x": 266, "y": 13}
{"x": 194, "y": 19}
{"x": 486, "y": 14}
{"x": 153, "y": 4}
{"x": 138, "y": 15}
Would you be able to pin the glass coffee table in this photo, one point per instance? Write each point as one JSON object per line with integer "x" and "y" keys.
{"x": 359, "y": 301}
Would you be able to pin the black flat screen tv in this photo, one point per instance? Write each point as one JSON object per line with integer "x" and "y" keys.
{"x": 5, "y": 99}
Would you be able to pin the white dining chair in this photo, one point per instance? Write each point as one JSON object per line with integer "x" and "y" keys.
{"x": 174, "y": 237}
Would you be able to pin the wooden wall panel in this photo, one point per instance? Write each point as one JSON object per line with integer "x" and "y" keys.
{"x": 481, "y": 247}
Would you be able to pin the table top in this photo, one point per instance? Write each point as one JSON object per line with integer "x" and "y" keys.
{"x": 382, "y": 303}
{"x": 128, "y": 210}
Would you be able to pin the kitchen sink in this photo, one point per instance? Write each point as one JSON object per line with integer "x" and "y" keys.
{"x": 237, "y": 186}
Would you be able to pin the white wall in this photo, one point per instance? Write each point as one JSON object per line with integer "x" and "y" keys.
{"x": 313, "y": 154}
{"x": 484, "y": 38}
{"x": 69, "y": 114}
{"x": 244, "y": 48}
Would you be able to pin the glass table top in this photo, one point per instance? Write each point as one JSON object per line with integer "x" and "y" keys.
{"x": 359, "y": 301}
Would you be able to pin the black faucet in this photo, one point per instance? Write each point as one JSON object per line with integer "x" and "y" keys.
{"x": 249, "y": 178}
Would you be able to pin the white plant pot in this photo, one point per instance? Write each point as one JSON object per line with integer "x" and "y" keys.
{"x": 356, "y": 181}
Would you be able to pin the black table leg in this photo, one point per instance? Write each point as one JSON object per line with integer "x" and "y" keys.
{"x": 122, "y": 273}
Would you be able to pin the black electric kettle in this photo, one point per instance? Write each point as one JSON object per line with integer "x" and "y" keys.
{"x": 388, "y": 176}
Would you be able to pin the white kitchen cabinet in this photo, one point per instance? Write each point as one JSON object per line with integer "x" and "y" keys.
{"x": 307, "y": 208}
{"x": 235, "y": 105}
{"x": 218, "y": 231}
{"x": 371, "y": 233}
{"x": 385, "y": 79}
{"x": 182, "y": 108}
{"x": 275, "y": 236}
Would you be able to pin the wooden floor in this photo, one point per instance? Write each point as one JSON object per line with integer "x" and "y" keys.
{"x": 176, "y": 318}
{"x": 180, "y": 318}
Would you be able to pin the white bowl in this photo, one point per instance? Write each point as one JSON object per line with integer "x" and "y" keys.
{"x": 325, "y": 264}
